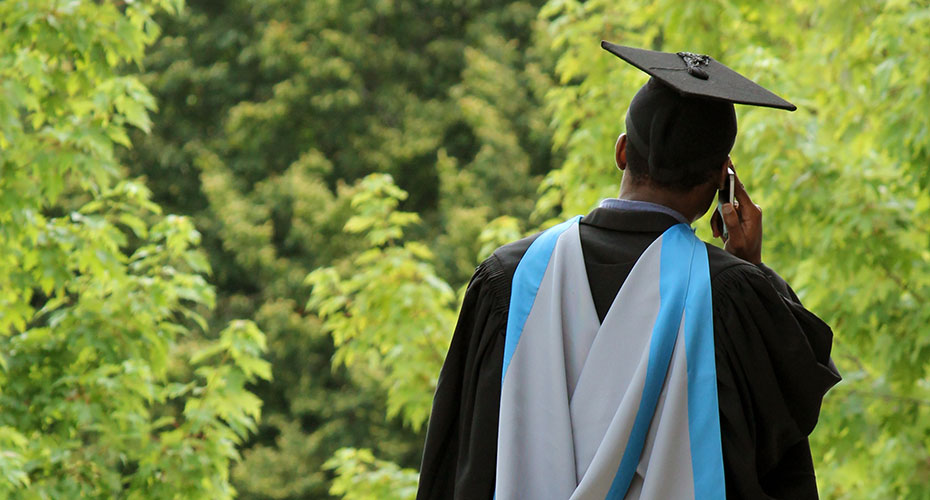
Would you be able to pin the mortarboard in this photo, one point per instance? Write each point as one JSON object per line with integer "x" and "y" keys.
{"x": 698, "y": 75}
{"x": 682, "y": 123}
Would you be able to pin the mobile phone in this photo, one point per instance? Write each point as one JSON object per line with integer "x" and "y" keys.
{"x": 725, "y": 195}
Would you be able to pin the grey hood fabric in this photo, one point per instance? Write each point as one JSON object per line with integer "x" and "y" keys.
{"x": 573, "y": 387}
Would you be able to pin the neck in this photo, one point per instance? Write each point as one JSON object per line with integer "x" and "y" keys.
{"x": 692, "y": 203}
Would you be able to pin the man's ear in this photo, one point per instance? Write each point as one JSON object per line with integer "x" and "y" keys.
{"x": 620, "y": 152}
{"x": 723, "y": 174}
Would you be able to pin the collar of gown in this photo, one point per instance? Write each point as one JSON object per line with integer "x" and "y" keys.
{"x": 642, "y": 206}
{"x": 617, "y": 219}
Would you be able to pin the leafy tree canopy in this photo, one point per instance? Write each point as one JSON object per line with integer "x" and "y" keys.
{"x": 106, "y": 388}
{"x": 271, "y": 115}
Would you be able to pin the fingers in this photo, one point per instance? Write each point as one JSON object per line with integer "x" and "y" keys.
{"x": 734, "y": 228}
{"x": 715, "y": 224}
{"x": 741, "y": 196}
{"x": 744, "y": 224}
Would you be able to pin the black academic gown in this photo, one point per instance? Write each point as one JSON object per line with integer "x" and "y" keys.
{"x": 772, "y": 358}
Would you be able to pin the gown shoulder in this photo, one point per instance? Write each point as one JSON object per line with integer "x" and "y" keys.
{"x": 773, "y": 369}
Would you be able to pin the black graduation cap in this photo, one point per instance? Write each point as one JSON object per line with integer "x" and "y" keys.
{"x": 681, "y": 125}
{"x": 698, "y": 75}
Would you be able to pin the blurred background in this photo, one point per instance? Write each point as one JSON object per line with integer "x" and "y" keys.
{"x": 234, "y": 234}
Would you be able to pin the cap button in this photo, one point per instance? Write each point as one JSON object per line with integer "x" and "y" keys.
{"x": 698, "y": 72}
{"x": 694, "y": 62}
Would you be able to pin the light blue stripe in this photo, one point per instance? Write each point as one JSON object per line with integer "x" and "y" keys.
{"x": 680, "y": 290}
{"x": 677, "y": 244}
{"x": 525, "y": 285}
{"x": 703, "y": 412}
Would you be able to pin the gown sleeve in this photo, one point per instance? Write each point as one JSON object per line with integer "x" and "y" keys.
{"x": 460, "y": 454}
{"x": 773, "y": 369}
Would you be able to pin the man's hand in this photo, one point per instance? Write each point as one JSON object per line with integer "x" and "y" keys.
{"x": 744, "y": 225}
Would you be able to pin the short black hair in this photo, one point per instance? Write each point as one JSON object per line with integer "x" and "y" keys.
{"x": 675, "y": 141}
{"x": 685, "y": 179}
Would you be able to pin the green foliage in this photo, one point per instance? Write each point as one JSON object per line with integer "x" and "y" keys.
{"x": 843, "y": 182}
{"x": 99, "y": 292}
{"x": 360, "y": 476}
{"x": 388, "y": 311}
{"x": 270, "y": 112}
{"x": 276, "y": 232}
{"x": 500, "y": 231}
{"x": 389, "y": 315}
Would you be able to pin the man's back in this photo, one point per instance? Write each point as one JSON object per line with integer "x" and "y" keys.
{"x": 772, "y": 360}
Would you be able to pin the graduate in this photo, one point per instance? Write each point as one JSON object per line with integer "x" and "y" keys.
{"x": 616, "y": 355}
